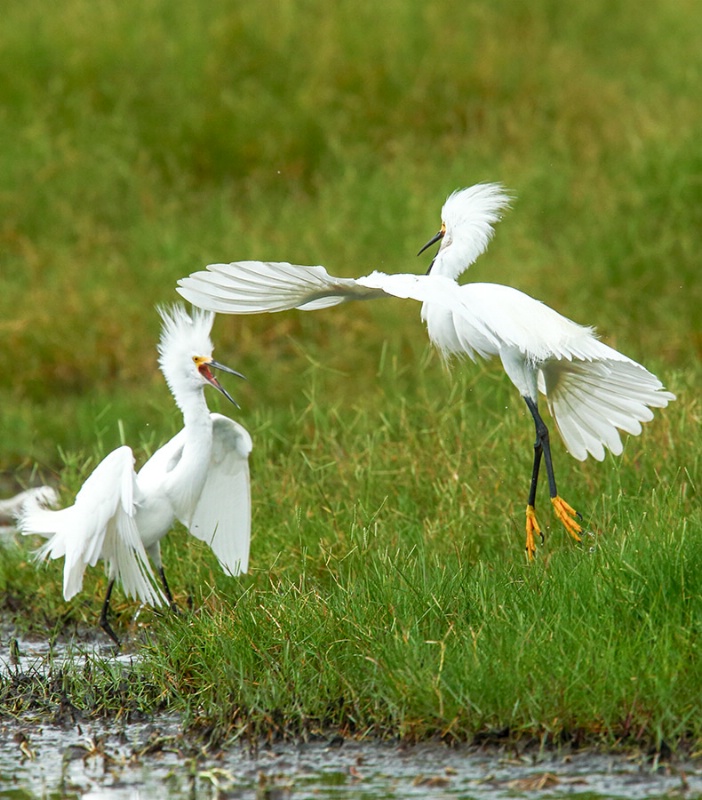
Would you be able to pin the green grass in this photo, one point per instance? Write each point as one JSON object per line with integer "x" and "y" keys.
{"x": 388, "y": 590}
{"x": 390, "y": 595}
{"x": 396, "y": 599}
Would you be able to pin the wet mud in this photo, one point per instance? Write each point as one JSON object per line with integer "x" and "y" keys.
{"x": 67, "y": 755}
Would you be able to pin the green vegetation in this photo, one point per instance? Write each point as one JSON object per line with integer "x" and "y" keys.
{"x": 389, "y": 592}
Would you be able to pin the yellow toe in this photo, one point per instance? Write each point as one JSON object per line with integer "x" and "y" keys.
{"x": 567, "y": 514}
{"x": 532, "y": 527}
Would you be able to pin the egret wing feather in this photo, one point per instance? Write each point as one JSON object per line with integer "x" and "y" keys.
{"x": 506, "y": 317}
{"x": 592, "y": 390}
{"x": 590, "y": 400}
{"x": 253, "y": 287}
{"x": 163, "y": 461}
{"x": 100, "y": 524}
{"x": 222, "y": 516}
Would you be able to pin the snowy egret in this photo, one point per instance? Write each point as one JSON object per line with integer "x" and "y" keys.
{"x": 200, "y": 477}
{"x": 591, "y": 390}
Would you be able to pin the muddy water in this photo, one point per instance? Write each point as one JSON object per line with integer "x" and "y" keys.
{"x": 153, "y": 760}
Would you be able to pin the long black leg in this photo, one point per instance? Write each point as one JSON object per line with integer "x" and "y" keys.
{"x": 169, "y": 596}
{"x": 532, "y": 526}
{"x": 104, "y": 624}
{"x": 542, "y": 446}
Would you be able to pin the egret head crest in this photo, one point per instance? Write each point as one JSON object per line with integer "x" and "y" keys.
{"x": 184, "y": 336}
{"x": 467, "y": 220}
{"x": 185, "y": 352}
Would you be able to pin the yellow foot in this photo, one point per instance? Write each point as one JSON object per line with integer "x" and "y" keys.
{"x": 567, "y": 515}
{"x": 532, "y": 527}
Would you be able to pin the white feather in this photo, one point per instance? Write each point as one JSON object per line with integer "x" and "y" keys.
{"x": 100, "y": 524}
{"x": 222, "y": 516}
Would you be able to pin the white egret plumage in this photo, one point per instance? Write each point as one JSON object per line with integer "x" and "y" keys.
{"x": 200, "y": 477}
{"x": 11, "y": 507}
{"x": 592, "y": 390}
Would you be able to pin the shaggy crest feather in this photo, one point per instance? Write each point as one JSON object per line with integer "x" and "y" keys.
{"x": 182, "y": 337}
{"x": 468, "y": 216}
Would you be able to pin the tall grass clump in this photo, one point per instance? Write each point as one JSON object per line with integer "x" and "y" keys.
{"x": 407, "y": 608}
{"x": 393, "y": 635}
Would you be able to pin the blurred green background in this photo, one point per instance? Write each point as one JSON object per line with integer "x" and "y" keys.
{"x": 140, "y": 141}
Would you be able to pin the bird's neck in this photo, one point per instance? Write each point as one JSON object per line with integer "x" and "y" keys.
{"x": 189, "y": 476}
{"x": 197, "y": 422}
{"x": 450, "y": 261}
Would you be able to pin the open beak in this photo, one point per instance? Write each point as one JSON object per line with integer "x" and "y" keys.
{"x": 210, "y": 378}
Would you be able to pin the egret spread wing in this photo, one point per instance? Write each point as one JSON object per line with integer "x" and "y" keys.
{"x": 100, "y": 524}
{"x": 592, "y": 390}
{"x": 252, "y": 287}
{"x": 591, "y": 400}
{"x": 222, "y": 516}
{"x": 163, "y": 461}
{"x": 493, "y": 316}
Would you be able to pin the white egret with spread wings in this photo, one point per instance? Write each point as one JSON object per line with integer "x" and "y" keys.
{"x": 200, "y": 477}
{"x": 592, "y": 391}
